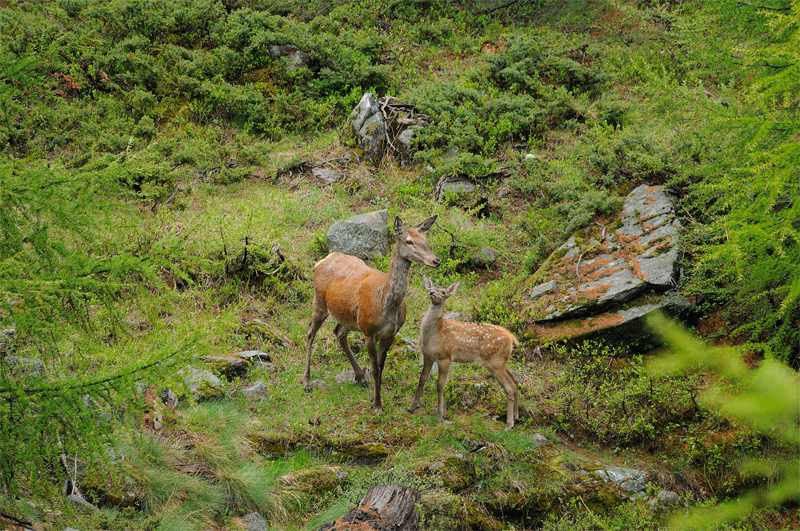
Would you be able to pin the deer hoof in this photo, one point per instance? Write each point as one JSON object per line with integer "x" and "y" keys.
{"x": 308, "y": 389}
{"x": 411, "y": 409}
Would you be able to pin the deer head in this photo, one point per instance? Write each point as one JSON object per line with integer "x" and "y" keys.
{"x": 439, "y": 294}
{"x": 412, "y": 244}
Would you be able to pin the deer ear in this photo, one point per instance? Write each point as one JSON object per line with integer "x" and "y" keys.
{"x": 427, "y": 282}
{"x": 453, "y": 287}
{"x": 427, "y": 224}
{"x": 398, "y": 226}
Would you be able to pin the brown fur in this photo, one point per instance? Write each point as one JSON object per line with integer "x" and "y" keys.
{"x": 445, "y": 341}
{"x": 364, "y": 299}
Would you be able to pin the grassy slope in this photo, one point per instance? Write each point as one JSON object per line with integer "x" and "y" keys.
{"x": 191, "y": 231}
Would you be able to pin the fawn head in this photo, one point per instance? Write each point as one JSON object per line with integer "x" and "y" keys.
{"x": 412, "y": 244}
{"x": 439, "y": 294}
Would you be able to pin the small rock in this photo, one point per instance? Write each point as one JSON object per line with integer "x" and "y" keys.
{"x": 254, "y": 522}
{"x": 326, "y": 175}
{"x": 6, "y": 339}
{"x": 265, "y": 365}
{"x": 665, "y": 499}
{"x": 318, "y": 383}
{"x": 484, "y": 259}
{"x": 295, "y": 57}
{"x": 228, "y": 366}
{"x": 82, "y": 504}
{"x": 349, "y": 376}
{"x": 25, "y": 366}
{"x": 258, "y": 390}
{"x": 315, "y": 480}
{"x": 204, "y": 385}
{"x": 253, "y": 355}
{"x": 453, "y": 186}
{"x": 539, "y": 440}
{"x": 169, "y": 398}
{"x": 257, "y": 327}
{"x": 543, "y": 289}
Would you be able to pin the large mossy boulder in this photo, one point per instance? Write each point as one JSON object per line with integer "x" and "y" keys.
{"x": 368, "y": 127}
{"x": 607, "y": 277}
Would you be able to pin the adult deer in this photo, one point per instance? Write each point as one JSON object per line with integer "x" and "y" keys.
{"x": 445, "y": 341}
{"x": 367, "y": 300}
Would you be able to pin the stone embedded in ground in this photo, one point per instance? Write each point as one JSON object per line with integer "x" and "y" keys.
{"x": 326, "y": 175}
{"x": 295, "y": 57}
{"x": 254, "y": 522}
{"x": 25, "y": 366}
{"x": 228, "y": 366}
{"x": 665, "y": 499}
{"x": 349, "y": 376}
{"x": 254, "y": 355}
{"x": 367, "y": 125}
{"x": 204, "y": 385}
{"x": 364, "y": 236}
{"x": 453, "y": 186}
{"x": 484, "y": 258}
{"x": 315, "y": 480}
{"x": 612, "y": 262}
{"x": 257, "y": 327}
{"x": 539, "y": 440}
{"x": 257, "y": 390}
{"x": 364, "y": 453}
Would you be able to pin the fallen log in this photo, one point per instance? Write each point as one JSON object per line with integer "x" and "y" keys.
{"x": 384, "y": 508}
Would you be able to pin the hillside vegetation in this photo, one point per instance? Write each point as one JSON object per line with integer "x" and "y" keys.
{"x": 155, "y": 156}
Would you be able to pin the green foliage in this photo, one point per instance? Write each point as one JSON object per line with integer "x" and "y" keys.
{"x": 765, "y": 398}
{"x": 744, "y": 198}
{"x": 617, "y": 401}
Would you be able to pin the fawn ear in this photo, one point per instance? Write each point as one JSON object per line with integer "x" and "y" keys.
{"x": 453, "y": 287}
{"x": 427, "y": 282}
{"x": 427, "y": 224}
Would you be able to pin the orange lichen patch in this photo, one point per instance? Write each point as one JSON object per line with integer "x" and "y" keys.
{"x": 576, "y": 327}
{"x": 596, "y": 292}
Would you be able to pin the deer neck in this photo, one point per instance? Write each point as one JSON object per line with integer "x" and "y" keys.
{"x": 396, "y": 284}
{"x": 430, "y": 323}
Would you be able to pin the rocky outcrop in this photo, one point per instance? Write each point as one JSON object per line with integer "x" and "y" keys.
{"x": 315, "y": 480}
{"x": 295, "y": 57}
{"x": 203, "y": 385}
{"x": 604, "y": 277}
{"x": 369, "y": 128}
{"x": 364, "y": 236}
{"x": 382, "y": 127}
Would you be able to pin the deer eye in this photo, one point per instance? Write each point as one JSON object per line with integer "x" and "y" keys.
{"x": 409, "y": 242}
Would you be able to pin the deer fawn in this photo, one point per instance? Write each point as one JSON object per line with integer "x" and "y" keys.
{"x": 445, "y": 341}
{"x": 364, "y": 299}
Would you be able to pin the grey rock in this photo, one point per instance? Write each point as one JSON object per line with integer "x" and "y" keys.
{"x": 453, "y": 186}
{"x": 254, "y": 355}
{"x": 665, "y": 499}
{"x": 25, "y": 366}
{"x": 169, "y": 398}
{"x": 631, "y": 480}
{"x": 326, "y": 175}
{"x": 349, "y": 376}
{"x": 257, "y": 327}
{"x": 539, "y": 440}
{"x": 364, "y": 236}
{"x": 202, "y": 384}
{"x": 82, "y": 504}
{"x": 369, "y": 127}
{"x": 7, "y": 339}
{"x": 228, "y": 366}
{"x": 254, "y": 522}
{"x": 295, "y": 57}
{"x": 265, "y": 365}
{"x": 484, "y": 259}
{"x": 543, "y": 289}
{"x": 258, "y": 390}
{"x": 318, "y": 383}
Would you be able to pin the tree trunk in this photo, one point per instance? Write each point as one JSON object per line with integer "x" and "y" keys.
{"x": 384, "y": 508}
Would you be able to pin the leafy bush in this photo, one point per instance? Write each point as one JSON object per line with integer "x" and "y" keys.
{"x": 616, "y": 400}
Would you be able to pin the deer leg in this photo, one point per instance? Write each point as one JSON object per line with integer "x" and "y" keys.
{"x": 516, "y": 392}
{"x": 427, "y": 366}
{"x": 341, "y": 334}
{"x": 444, "y": 369}
{"x": 377, "y": 406}
{"x": 507, "y": 383}
{"x": 318, "y": 316}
